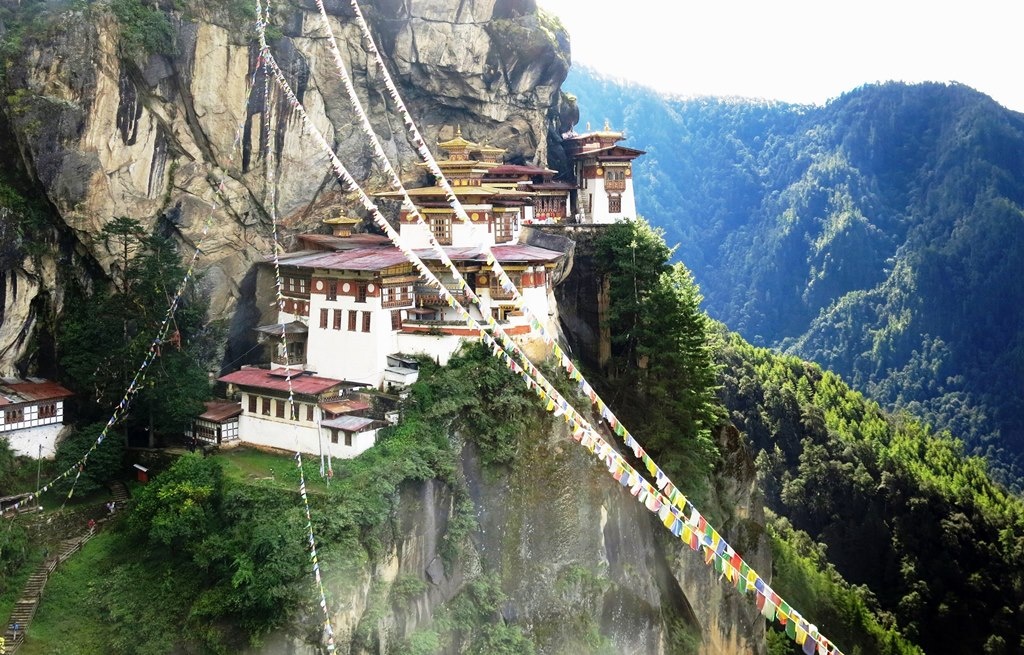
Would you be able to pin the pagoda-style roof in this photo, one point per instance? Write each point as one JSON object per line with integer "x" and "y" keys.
{"x": 457, "y": 143}
{"x": 342, "y": 220}
{"x": 609, "y": 152}
{"x": 490, "y": 154}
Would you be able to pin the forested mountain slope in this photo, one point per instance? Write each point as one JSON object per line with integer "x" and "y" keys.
{"x": 880, "y": 235}
{"x": 930, "y": 542}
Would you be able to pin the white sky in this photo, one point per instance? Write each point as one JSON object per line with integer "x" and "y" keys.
{"x": 805, "y": 51}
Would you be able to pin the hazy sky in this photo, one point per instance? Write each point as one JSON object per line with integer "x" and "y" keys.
{"x": 800, "y": 50}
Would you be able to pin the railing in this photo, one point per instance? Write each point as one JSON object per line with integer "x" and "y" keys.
{"x": 290, "y": 360}
{"x": 398, "y": 302}
{"x": 614, "y": 185}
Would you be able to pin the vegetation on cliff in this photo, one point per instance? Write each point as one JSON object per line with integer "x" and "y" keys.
{"x": 661, "y": 376}
{"x": 920, "y": 529}
{"x": 881, "y": 235}
{"x": 214, "y": 547}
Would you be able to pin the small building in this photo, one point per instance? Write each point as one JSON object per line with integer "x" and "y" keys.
{"x": 604, "y": 175}
{"x": 267, "y": 417}
{"x": 217, "y": 425}
{"x": 32, "y": 415}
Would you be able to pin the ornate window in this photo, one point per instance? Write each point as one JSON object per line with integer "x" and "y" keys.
{"x": 614, "y": 204}
{"x": 441, "y": 228}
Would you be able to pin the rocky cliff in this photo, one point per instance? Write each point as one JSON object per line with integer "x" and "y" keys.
{"x": 172, "y": 132}
{"x": 581, "y": 566}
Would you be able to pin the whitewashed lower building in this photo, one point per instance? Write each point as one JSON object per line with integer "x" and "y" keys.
{"x": 310, "y": 424}
{"x": 32, "y": 413}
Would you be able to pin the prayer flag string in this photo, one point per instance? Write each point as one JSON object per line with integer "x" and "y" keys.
{"x": 263, "y": 17}
{"x": 122, "y": 407}
{"x": 692, "y": 529}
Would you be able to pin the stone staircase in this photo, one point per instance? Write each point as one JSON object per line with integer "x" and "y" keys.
{"x": 25, "y": 607}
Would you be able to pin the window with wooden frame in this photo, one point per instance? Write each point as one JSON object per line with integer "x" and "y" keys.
{"x": 323, "y": 319}
{"x": 441, "y": 228}
{"x": 396, "y": 319}
{"x": 614, "y": 204}
{"x": 49, "y": 410}
{"x": 337, "y": 318}
{"x": 279, "y": 408}
{"x": 14, "y": 415}
{"x": 252, "y": 404}
{"x": 502, "y": 228}
{"x": 366, "y": 321}
{"x": 332, "y": 289}
{"x": 352, "y": 320}
{"x": 309, "y": 413}
{"x": 348, "y": 438}
{"x": 265, "y": 406}
{"x": 360, "y": 292}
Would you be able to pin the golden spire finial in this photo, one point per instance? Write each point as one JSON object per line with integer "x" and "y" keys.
{"x": 458, "y": 131}
{"x": 607, "y": 125}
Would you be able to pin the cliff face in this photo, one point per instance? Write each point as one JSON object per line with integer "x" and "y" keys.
{"x": 176, "y": 141}
{"x": 583, "y": 566}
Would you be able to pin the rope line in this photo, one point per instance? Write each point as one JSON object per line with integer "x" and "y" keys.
{"x": 715, "y": 547}
{"x": 121, "y": 409}
{"x": 263, "y": 17}
{"x": 676, "y": 499}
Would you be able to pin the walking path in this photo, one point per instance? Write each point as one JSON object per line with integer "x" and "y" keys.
{"x": 25, "y": 607}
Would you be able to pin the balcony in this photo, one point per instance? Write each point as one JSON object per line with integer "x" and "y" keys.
{"x": 615, "y": 185}
{"x": 289, "y": 360}
{"x": 428, "y": 296}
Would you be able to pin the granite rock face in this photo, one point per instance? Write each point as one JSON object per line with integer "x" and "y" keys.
{"x": 178, "y": 141}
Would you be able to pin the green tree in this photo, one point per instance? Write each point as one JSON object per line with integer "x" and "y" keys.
{"x": 180, "y": 507}
{"x": 104, "y": 463}
{"x": 662, "y": 369}
{"x": 105, "y": 335}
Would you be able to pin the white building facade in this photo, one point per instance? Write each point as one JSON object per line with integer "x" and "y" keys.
{"x": 32, "y": 413}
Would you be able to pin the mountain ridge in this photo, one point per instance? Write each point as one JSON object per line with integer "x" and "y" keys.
{"x": 877, "y": 235}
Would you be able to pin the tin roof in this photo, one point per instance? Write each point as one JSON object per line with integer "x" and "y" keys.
{"x": 348, "y": 423}
{"x": 261, "y": 378}
{"x": 277, "y": 329}
{"x": 345, "y": 406}
{"x": 219, "y": 411}
{"x": 17, "y": 391}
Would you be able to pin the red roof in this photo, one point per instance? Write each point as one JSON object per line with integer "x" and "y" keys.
{"x": 351, "y": 242}
{"x": 22, "y": 391}
{"x": 261, "y": 378}
{"x": 357, "y": 259}
{"x": 515, "y": 253}
{"x": 219, "y": 411}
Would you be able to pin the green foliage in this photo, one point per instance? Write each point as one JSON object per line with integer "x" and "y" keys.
{"x": 180, "y": 506}
{"x": 900, "y": 509}
{"x": 840, "y": 611}
{"x": 144, "y": 30}
{"x": 662, "y": 372}
{"x": 482, "y": 400}
{"x": 472, "y": 621}
{"x": 104, "y": 464}
{"x": 105, "y": 336}
{"x": 880, "y": 235}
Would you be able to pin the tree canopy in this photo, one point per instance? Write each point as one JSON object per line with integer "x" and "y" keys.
{"x": 106, "y": 334}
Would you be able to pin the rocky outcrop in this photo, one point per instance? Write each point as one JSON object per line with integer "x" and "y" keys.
{"x": 177, "y": 142}
{"x": 585, "y": 568}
